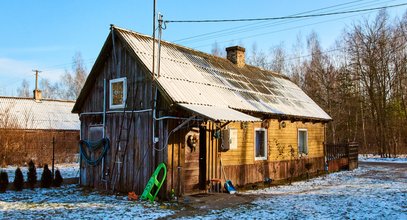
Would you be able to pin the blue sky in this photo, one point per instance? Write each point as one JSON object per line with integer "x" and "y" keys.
{"x": 45, "y": 34}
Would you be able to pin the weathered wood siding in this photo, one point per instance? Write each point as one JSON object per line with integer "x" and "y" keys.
{"x": 138, "y": 158}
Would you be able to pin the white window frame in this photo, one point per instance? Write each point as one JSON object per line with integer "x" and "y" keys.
{"x": 306, "y": 141}
{"x": 122, "y": 105}
{"x": 265, "y": 143}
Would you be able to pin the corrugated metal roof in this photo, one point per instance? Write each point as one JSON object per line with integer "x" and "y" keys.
{"x": 193, "y": 77}
{"x": 216, "y": 113}
{"x": 26, "y": 113}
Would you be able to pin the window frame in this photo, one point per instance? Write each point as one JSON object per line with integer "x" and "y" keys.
{"x": 265, "y": 144}
{"x": 123, "y": 104}
{"x": 305, "y": 152}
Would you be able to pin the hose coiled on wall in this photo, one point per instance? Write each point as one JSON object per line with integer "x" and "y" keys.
{"x": 93, "y": 146}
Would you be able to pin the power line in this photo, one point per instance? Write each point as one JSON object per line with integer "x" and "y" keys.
{"x": 54, "y": 67}
{"x": 277, "y": 31}
{"x": 283, "y": 17}
{"x": 258, "y": 23}
{"x": 295, "y": 57}
{"x": 256, "y": 26}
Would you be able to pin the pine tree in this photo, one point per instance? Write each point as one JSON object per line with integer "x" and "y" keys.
{"x": 18, "y": 180}
{"x": 46, "y": 177}
{"x": 32, "y": 174}
{"x": 3, "y": 181}
{"x": 58, "y": 179}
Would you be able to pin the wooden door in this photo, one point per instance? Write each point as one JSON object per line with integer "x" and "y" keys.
{"x": 191, "y": 165}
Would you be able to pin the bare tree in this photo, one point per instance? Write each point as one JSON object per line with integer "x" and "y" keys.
{"x": 295, "y": 62}
{"x": 49, "y": 90}
{"x": 8, "y": 122}
{"x": 217, "y": 51}
{"x": 24, "y": 90}
{"x": 72, "y": 83}
{"x": 278, "y": 59}
{"x": 258, "y": 58}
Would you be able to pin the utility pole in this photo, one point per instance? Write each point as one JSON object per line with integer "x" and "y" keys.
{"x": 36, "y": 78}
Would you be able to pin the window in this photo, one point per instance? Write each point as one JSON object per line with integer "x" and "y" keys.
{"x": 302, "y": 141}
{"x": 260, "y": 137}
{"x": 229, "y": 139}
{"x": 118, "y": 93}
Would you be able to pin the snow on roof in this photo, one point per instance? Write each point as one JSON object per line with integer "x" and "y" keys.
{"x": 193, "y": 77}
{"x": 26, "y": 113}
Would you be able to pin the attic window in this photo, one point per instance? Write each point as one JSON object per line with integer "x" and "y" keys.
{"x": 118, "y": 93}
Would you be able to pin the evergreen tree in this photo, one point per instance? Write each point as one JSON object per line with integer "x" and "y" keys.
{"x": 3, "y": 181}
{"x": 58, "y": 179}
{"x": 18, "y": 180}
{"x": 46, "y": 177}
{"x": 32, "y": 174}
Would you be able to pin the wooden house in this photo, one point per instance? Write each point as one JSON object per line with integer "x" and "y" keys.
{"x": 36, "y": 128}
{"x": 207, "y": 118}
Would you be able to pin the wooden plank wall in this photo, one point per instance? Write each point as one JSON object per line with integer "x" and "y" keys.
{"x": 280, "y": 141}
{"x": 18, "y": 147}
{"x": 275, "y": 170}
{"x": 240, "y": 164}
{"x": 183, "y": 168}
{"x": 139, "y": 159}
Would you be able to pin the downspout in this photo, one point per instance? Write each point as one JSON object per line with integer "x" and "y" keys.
{"x": 104, "y": 109}
{"x": 104, "y": 132}
{"x": 325, "y": 157}
{"x": 80, "y": 155}
{"x": 155, "y": 139}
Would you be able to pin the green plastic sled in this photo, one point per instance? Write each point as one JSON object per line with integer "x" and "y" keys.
{"x": 154, "y": 182}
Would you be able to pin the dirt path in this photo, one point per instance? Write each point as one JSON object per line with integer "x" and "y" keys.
{"x": 202, "y": 204}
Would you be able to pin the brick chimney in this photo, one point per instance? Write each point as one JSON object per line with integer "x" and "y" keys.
{"x": 37, "y": 92}
{"x": 236, "y": 55}
{"x": 37, "y": 95}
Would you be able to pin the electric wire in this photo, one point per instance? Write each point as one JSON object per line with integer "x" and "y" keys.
{"x": 265, "y": 24}
{"x": 277, "y": 31}
{"x": 281, "y": 23}
{"x": 247, "y": 25}
{"x": 284, "y": 17}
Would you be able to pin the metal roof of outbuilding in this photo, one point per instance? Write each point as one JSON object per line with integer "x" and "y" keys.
{"x": 195, "y": 78}
{"x": 26, "y": 113}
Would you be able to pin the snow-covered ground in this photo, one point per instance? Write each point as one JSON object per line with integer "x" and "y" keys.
{"x": 68, "y": 170}
{"x": 71, "y": 202}
{"x": 369, "y": 192}
{"x": 373, "y": 191}
{"x": 376, "y": 158}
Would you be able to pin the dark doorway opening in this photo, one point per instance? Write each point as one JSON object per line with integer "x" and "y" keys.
{"x": 202, "y": 157}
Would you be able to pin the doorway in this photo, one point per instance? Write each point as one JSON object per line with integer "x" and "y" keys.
{"x": 195, "y": 160}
